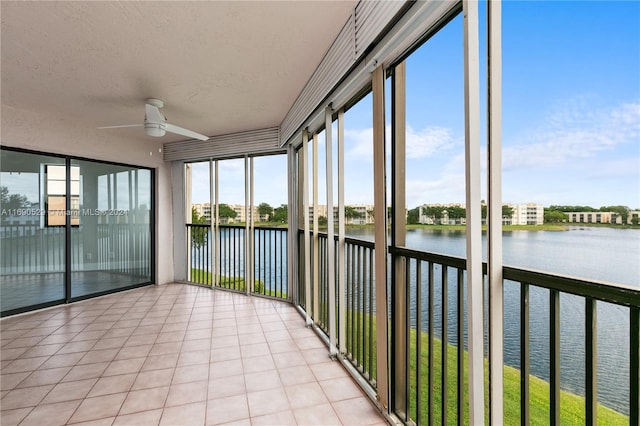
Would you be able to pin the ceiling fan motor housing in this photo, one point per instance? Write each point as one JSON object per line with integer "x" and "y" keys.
{"x": 154, "y": 129}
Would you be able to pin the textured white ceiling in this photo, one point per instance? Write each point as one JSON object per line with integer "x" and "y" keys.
{"x": 220, "y": 67}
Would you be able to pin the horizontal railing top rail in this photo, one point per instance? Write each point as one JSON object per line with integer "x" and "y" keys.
{"x": 618, "y": 294}
{"x": 207, "y": 225}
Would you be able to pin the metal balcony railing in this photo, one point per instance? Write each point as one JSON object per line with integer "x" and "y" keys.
{"x": 221, "y": 261}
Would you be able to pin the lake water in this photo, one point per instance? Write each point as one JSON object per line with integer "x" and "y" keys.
{"x": 603, "y": 254}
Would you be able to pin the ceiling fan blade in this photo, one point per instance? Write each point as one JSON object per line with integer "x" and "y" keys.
{"x": 185, "y": 132}
{"x": 121, "y": 126}
{"x": 153, "y": 114}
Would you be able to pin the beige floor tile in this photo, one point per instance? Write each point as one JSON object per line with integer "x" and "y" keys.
{"x": 267, "y": 402}
{"x": 98, "y": 408}
{"x": 194, "y": 357}
{"x": 321, "y": 415}
{"x": 153, "y": 379}
{"x": 186, "y": 393}
{"x": 340, "y": 389}
{"x": 226, "y": 386}
{"x": 51, "y": 414}
{"x": 129, "y": 352}
{"x": 160, "y": 362}
{"x": 258, "y": 363}
{"x": 145, "y": 400}
{"x": 10, "y": 381}
{"x": 283, "y": 418}
{"x": 305, "y": 395}
{"x": 124, "y": 366}
{"x": 286, "y": 360}
{"x": 296, "y": 375}
{"x": 112, "y": 384}
{"x": 328, "y": 370}
{"x": 225, "y": 368}
{"x": 94, "y": 356}
{"x": 253, "y": 350}
{"x": 225, "y": 410}
{"x": 13, "y": 417}
{"x": 24, "y": 364}
{"x": 108, "y": 421}
{"x": 189, "y": 414}
{"x": 42, "y": 350}
{"x": 26, "y": 397}
{"x": 144, "y": 418}
{"x": 225, "y": 354}
{"x": 70, "y": 391}
{"x": 314, "y": 356}
{"x": 262, "y": 381}
{"x": 63, "y": 360}
{"x": 45, "y": 377}
{"x": 190, "y": 373}
{"x": 357, "y": 411}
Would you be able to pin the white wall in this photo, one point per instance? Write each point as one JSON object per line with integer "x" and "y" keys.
{"x": 28, "y": 130}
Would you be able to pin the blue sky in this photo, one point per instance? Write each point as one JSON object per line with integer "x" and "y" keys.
{"x": 571, "y": 114}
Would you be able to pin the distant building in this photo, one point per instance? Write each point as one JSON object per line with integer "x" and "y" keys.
{"x": 633, "y": 217}
{"x": 363, "y": 211}
{"x": 527, "y": 214}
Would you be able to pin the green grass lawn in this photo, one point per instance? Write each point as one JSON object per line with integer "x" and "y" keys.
{"x": 572, "y": 407}
{"x": 199, "y": 276}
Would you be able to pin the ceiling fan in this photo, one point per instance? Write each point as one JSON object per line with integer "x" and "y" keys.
{"x": 155, "y": 124}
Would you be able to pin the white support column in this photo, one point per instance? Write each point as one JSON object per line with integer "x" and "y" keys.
{"x": 293, "y": 224}
{"x": 494, "y": 224}
{"x": 247, "y": 242}
{"x": 305, "y": 216}
{"x": 342, "y": 300}
{"x": 213, "y": 258}
{"x": 380, "y": 214}
{"x": 216, "y": 239}
{"x": 331, "y": 255}
{"x": 187, "y": 215}
{"x": 252, "y": 269}
{"x": 316, "y": 246}
{"x": 474, "y": 219}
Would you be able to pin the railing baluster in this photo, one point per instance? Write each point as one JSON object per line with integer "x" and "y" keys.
{"x": 591, "y": 365}
{"x": 431, "y": 357}
{"x": 524, "y": 354}
{"x": 372, "y": 367}
{"x": 634, "y": 370}
{"x": 419, "y": 341}
{"x": 444, "y": 359}
{"x": 460, "y": 378}
{"x": 407, "y": 319}
{"x": 554, "y": 349}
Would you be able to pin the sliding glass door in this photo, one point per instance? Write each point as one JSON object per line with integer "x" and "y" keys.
{"x": 72, "y": 229}
{"x": 111, "y": 244}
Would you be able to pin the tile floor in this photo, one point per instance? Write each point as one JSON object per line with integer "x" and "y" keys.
{"x": 173, "y": 355}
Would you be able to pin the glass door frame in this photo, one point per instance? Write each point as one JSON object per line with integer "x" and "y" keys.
{"x": 68, "y": 227}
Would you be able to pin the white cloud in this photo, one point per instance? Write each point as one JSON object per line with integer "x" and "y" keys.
{"x": 575, "y": 130}
{"x": 420, "y": 143}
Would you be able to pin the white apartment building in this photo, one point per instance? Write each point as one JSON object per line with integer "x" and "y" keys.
{"x": 364, "y": 211}
{"x": 527, "y": 214}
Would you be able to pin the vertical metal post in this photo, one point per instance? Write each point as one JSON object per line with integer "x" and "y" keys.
{"x": 342, "y": 308}
{"x": 305, "y": 215}
{"x": 215, "y": 214}
{"x": 380, "y": 214}
{"x": 292, "y": 225}
{"x": 554, "y": 348}
{"x": 494, "y": 223}
{"x": 331, "y": 258}
{"x": 634, "y": 368}
{"x": 251, "y": 220}
{"x": 187, "y": 215}
{"x": 212, "y": 252}
{"x": 315, "y": 313}
{"x": 474, "y": 224}
{"x": 247, "y": 277}
{"x": 398, "y": 239}
{"x": 591, "y": 361}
